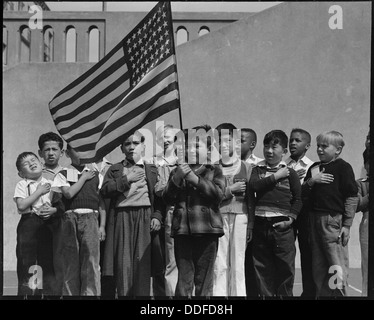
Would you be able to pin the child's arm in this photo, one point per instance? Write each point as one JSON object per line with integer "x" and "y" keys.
{"x": 174, "y": 186}
{"x": 257, "y": 184}
{"x": 363, "y": 201}
{"x": 295, "y": 187}
{"x": 102, "y": 212}
{"x": 24, "y": 203}
{"x": 70, "y": 192}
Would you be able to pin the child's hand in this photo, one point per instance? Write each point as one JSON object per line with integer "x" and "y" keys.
{"x": 155, "y": 225}
{"x": 301, "y": 173}
{"x": 43, "y": 188}
{"x": 47, "y": 211}
{"x": 134, "y": 176}
{"x": 102, "y": 234}
{"x": 283, "y": 225}
{"x": 238, "y": 187}
{"x": 282, "y": 173}
{"x": 88, "y": 175}
{"x": 181, "y": 171}
{"x": 322, "y": 177}
{"x": 344, "y": 236}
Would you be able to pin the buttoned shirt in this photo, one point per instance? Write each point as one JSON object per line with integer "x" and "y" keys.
{"x": 303, "y": 163}
{"x": 252, "y": 159}
{"x": 50, "y": 174}
{"x": 27, "y": 187}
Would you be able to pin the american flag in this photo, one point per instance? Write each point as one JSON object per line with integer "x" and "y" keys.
{"x": 133, "y": 84}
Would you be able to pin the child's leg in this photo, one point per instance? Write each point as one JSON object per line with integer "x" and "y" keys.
{"x": 26, "y": 251}
{"x": 88, "y": 229}
{"x": 364, "y": 232}
{"x": 70, "y": 255}
{"x": 222, "y": 263}
{"x": 204, "y": 254}
{"x": 263, "y": 257}
{"x": 237, "y": 254}
{"x": 284, "y": 254}
{"x": 183, "y": 246}
{"x": 171, "y": 270}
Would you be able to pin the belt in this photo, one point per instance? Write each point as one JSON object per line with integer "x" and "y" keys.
{"x": 273, "y": 219}
{"x": 82, "y": 211}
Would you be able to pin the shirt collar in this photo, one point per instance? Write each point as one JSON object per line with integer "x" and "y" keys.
{"x": 305, "y": 160}
{"x": 55, "y": 170}
{"x": 31, "y": 181}
{"x": 140, "y": 163}
{"x": 263, "y": 163}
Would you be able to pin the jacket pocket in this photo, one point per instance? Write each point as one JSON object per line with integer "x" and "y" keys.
{"x": 215, "y": 217}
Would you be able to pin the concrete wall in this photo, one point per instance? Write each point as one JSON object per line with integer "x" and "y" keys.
{"x": 277, "y": 69}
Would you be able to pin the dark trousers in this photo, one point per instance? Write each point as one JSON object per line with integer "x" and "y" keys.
{"x": 274, "y": 258}
{"x": 302, "y": 232}
{"x": 250, "y": 277}
{"x": 34, "y": 253}
{"x": 195, "y": 257}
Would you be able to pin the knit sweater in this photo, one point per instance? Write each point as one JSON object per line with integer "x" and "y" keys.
{"x": 282, "y": 196}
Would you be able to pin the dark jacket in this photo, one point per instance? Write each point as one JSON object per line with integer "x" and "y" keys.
{"x": 115, "y": 184}
{"x": 196, "y": 209}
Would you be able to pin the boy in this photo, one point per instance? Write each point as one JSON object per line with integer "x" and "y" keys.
{"x": 238, "y": 217}
{"x": 51, "y": 150}
{"x": 34, "y": 202}
{"x": 248, "y": 143}
{"x": 363, "y": 206}
{"x": 299, "y": 144}
{"x": 80, "y": 230}
{"x": 196, "y": 190}
{"x": 137, "y": 219}
{"x": 330, "y": 191}
{"x": 278, "y": 203}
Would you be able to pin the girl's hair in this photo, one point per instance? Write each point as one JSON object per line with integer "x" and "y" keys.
{"x": 331, "y": 137}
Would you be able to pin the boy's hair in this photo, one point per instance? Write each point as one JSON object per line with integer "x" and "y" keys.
{"x": 251, "y": 131}
{"x": 225, "y": 126}
{"x": 366, "y": 156}
{"x": 204, "y": 127}
{"x": 331, "y": 137}
{"x": 50, "y": 136}
{"x": 276, "y": 136}
{"x": 22, "y": 156}
{"x": 302, "y": 131}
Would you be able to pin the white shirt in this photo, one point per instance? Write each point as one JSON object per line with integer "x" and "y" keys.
{"x": 303, "y": 163}
{"x": 252, "y": 159}
{"x": 27, "y": 187}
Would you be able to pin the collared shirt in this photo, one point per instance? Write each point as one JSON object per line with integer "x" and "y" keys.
{"x": 252, "y": 159}
{"x": 50, "y": 174}
{"x": 137, "y": 195}
{"x": 27, "y": 187}
{"x": 100, "y": 167}
{"x": 303, "y": 163}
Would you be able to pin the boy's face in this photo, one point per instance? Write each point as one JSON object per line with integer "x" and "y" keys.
{"x": 51, "y": 153}
{"x": 133, "y": 148}
{"x": 298, "y": 145}
{"x": 31, "y": 168}
{"x": 197, "y": 152}
{"x": 273, "y": 153}
{"x": 327, "y": 152}
{"x": 226, "y": 145}
{"x": 247, "y": 142}
{"x": 167, "y": 140}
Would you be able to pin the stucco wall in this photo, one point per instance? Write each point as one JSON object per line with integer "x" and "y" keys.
{"x": 278, "y": 69}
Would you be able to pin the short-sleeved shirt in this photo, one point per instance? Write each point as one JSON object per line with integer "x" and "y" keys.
{"x": 27, "y": 187}
{"x": 50, "y": 174}
{"x": 253, "y": 160}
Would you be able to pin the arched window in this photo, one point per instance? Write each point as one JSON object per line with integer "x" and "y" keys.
{"x": 203, "y": 30}
{"x": 93, "y": 50}
{"x": 5, "y": 45}
{"x": 25, "y": 42}
{"x": 182, "y": 35}
{"x": 48, "y": 51}
{"x": 71, "y": 45}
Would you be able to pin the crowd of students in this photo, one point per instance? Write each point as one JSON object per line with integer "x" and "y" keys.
{"x": 190, "y": 225}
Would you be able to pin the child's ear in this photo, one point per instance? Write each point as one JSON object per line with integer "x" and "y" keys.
{"x": 338, "y": 150}
{"x": 253, "y": 144}
{"x": 20, "y": 174}
{"x": 285, "y": 150}
{"x": 307, "y": 146}
{"x": 62, "y": 152}
{"x": 40, "y": 153}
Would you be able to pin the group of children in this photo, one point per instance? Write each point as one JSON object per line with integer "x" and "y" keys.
{"x": 190, "y": 225}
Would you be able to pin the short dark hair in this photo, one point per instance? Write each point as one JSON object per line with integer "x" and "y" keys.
{"x": 22, "y": 156}
{"x": 251, "y": 131}
{"x": 204, "y": 127}
{"x": 50, "y": 136}
{"x": 302, "y": 131}
{"x": 225, "y": 126}
{"x": 276, "y": 136}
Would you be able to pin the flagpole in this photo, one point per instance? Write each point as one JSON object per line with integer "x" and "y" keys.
{"x": 176, "y": 67}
